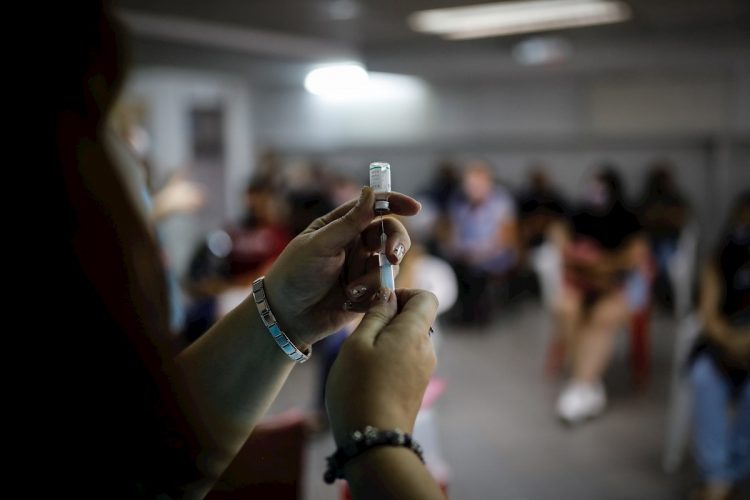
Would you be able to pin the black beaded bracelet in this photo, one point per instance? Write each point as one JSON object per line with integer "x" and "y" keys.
{"x": 361, "y": 441}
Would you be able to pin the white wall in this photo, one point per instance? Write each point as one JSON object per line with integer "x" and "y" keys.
{"x": 169, "y": 95}
{"x": 570, "y": 123}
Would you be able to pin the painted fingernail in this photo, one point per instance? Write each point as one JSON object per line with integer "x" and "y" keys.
{"x": 400, "y": 251}
{"x": 357, "y": 291}
{"x": 381, "y": 296}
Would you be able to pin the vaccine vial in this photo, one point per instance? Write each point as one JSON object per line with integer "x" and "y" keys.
{"x": 380, "y": 182}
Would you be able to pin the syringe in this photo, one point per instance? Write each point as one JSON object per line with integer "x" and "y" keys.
{"x": 380, "y": 182}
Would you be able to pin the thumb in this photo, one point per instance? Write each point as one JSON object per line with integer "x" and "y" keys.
{"x": 374, "y": 320}
{"x": 340, "y": 232}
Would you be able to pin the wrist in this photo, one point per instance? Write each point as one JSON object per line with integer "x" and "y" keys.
{"x": 366, "y": 442}
{"x": 275, "y": 297}
{"x": 343, "y": 433}
{"x": 295, "y": 350}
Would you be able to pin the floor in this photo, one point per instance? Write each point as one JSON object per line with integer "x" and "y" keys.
{"x": 498, "y": 432}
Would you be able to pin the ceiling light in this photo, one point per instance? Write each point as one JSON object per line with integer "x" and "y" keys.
{"x": 508, "y": 18}
{"x": 336, "y": 80}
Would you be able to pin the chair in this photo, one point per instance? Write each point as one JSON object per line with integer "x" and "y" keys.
{"x": 680, "y": 400}
{"x": 680, "y": 270}
{"x": 269, "y": 464}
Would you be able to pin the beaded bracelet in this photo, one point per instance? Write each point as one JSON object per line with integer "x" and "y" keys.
{"x": 361, "y": 441}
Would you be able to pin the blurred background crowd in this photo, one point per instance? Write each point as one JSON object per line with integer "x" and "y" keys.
{"x": 585, "y": 220}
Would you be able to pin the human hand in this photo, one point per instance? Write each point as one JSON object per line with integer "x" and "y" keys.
{"x": 737, "y": 347}
{"x": 329, "y": 274}
{"x": 178, "y": 196}
{"x": 383, "y": 368}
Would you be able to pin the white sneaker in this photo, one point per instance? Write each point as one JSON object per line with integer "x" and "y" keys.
{"x": 580, "y": 401}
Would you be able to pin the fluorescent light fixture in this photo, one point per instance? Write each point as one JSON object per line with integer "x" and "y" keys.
{"x": 509, "y": 18}
{"x": 336, "y": 80}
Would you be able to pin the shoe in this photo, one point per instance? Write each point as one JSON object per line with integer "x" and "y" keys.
{"x": 581, "y": 401}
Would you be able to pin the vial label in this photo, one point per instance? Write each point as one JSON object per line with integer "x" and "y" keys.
{"x": 380, "y": 177}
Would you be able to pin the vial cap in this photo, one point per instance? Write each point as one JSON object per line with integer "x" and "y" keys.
{"x": 382, "y": 206}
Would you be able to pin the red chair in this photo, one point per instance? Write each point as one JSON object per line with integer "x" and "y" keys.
{"x": 640, "y": 346}
{"x": 270, "y": 463}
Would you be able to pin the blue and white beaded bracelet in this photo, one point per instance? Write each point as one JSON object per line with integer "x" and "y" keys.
{"x": 286, "y": 345}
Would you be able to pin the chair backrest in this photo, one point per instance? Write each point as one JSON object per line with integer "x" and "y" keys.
{"x": 270, "y": 464}
{"x": 681, "y": 269}
{"x": 547, "y": 264}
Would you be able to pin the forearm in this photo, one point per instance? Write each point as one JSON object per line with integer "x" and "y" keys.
{"x": 390, "y": 472}
{"x": 719, "y": 329}
{"x": 229, "y": 378}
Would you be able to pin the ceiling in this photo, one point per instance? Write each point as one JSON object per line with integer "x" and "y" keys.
{"x": 377, "y": 25}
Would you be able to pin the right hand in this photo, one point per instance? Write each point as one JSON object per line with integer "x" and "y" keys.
{"x": 383, "y": 368}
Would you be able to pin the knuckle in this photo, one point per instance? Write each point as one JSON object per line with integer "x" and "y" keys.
{"x": 378, "y": 315}
{"x": 432, "y": 297}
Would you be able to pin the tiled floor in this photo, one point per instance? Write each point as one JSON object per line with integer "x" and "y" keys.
{"x": 498, "y": 431}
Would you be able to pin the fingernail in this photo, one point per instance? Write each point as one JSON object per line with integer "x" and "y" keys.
{"x": 357, "y": 291}
{"x": 400, "y": 251}
{"x": 381, "y": 296}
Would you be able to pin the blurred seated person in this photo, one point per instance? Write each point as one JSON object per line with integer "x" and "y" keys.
{"x": 602, "y": 247}
{"x": 664, "y": 213}
{"x": 251, "y": 246}
{"x": 225, "y": 265}
{"x": 444, "y": 185}
{"x": 539, "y": 206}
{"x": 306, "y": 194}
{"x": 720, "y": 365}
{"x": 479, "y": 240}
{"x": 260, "y": 236}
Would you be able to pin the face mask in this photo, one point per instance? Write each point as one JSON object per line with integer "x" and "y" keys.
{"x": 596, "y": 195}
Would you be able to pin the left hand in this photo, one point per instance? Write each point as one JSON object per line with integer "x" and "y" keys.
{"x": 381, "y": 373}
{"x": 329, "y": 274}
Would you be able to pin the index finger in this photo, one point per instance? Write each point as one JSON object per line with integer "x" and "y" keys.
{"x": 400, "y": 204}
{"x": 417, "y": 310}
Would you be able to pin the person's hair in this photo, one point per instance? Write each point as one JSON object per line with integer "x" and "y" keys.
{"x": 659, "y": 179}
{"x": 742, "y": 201}
{"x": 608, "y": 176}
{"x": 258, "y": 185}
{"x": 117, "y": 303}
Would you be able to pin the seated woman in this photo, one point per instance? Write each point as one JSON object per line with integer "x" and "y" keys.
{"x": 601, "y": 247}
{"x": 720, "y": 364}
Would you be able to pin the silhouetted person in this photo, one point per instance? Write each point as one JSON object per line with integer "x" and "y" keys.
{"x": 720, "y": 368}
{"x": 602, "y": 248}
{"x": 664, "y": 212}
{"x": 481, "y": 240}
